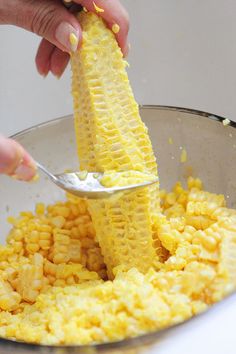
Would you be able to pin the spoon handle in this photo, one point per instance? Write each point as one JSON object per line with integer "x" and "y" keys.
{"x": 44, "y": 170}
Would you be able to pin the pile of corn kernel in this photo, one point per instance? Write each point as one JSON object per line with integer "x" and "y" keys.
{"x": 53, "y": 280}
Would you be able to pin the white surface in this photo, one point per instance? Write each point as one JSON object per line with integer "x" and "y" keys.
{"x": 183, "y": 52}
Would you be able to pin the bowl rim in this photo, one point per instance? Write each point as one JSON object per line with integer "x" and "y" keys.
{"x": 131, "y": 342}
{"x": 193, "y": 111}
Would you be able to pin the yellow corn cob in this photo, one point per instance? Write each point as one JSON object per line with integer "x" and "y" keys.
{"x": 112, "y": 137}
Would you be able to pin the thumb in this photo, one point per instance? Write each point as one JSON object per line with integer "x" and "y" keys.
{"x": 47, "y": 18}
{"x": 15, "y": 161}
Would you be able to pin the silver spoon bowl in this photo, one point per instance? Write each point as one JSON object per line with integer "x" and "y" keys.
{"x": 88, "y": 185}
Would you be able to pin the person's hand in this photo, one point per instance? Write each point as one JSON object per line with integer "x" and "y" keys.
{"x": 15, "y": 161}
{"x": 51, "y": 20}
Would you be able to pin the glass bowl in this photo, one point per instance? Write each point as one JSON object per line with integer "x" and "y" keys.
{"x": 211, "y": 150}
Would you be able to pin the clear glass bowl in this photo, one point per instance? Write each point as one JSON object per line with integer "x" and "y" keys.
{"x": 211, "y": 150}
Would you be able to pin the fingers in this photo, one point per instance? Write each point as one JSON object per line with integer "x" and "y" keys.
{"x": 58, "y": 62}
{"x": 50, "y": 58}
{"x": 114, "y": 14}
{"x": 48, "y": 18}
{"x": 43, "y": 57}
{"x": 15, "y": 161}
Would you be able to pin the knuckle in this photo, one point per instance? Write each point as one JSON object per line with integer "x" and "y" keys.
{"x": 43, "y": 19}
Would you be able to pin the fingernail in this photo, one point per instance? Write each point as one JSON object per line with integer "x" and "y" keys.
{"x": 56, "y": 75}
{"x": 67, "y": 36}
{"x": 42, "y": 73}
{"x": 126, "y": 50}
{"x": 24, "y": 172}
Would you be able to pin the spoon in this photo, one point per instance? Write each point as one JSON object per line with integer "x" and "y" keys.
{"x": 87, "y": 184}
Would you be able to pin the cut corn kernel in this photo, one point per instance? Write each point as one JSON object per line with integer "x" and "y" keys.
{"x": 226, "y": 122}
{"x": 74, "y": 40}
{"x": 115, "y": 28}
{"x": 183, "y": 274}
{"x": 97, "y": 8}
{"x": 183, "y": 157}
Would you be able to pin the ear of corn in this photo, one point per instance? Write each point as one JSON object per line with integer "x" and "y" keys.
{"x": 112, "y": 137}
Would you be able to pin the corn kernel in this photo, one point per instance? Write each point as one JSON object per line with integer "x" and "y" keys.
{"x": 40, "y": 209}
{"x": 45, "y": 244}
{"x": 58, "y": 221}
{"x": 45, "y": 236}
{"x": 183, "y": 156}
{"x": 32, "y": 247}
{"x": 98, "y": 9}
{"x": 115, "y": 28}
{"x": 60, "y": 258}
{"x": 60, "y": 283}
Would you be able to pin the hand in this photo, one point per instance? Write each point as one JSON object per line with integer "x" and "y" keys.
{"x": 51, "y": 20}
{"x": 15, "y": 161}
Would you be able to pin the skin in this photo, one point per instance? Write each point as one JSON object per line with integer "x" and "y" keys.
{"x": 51, "y": 20}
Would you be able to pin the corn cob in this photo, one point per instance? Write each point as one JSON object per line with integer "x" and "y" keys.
{"x": 112, "y": 137}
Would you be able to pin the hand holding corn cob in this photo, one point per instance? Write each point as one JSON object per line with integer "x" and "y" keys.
{"x": 62, "y": 34}
{"x": 59, "y": 27}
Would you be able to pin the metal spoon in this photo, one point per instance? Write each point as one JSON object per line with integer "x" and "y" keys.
{"x": 89, "y": 186}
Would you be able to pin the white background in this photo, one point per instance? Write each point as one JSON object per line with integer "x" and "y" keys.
{"x": 183, "y": 52}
